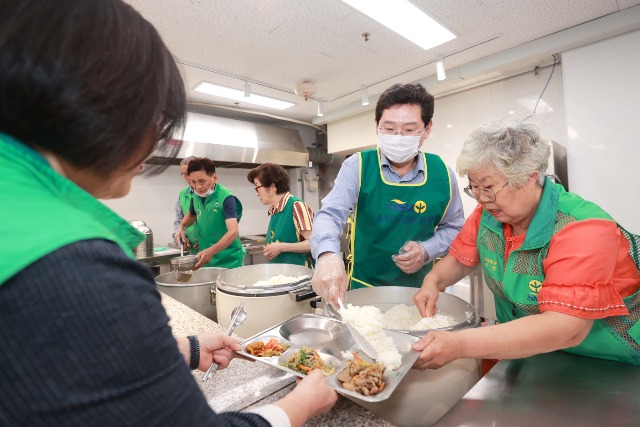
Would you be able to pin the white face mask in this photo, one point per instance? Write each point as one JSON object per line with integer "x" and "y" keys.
{"x": 205, "y": 194}
{"x": 399, "y": 148}
{"x": 210, "y": 191}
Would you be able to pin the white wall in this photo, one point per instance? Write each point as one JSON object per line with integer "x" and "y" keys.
{"x": 455, "y": 115}
{"x": 152, "y": 200}
{"x": 352, "y": 134}
{"x": 602, "y": 104}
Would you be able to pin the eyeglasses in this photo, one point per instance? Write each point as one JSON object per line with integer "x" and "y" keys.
{"x": 403, "y": 132}
{"x": 483, "y": 194}
{"x": 259, "y": 186}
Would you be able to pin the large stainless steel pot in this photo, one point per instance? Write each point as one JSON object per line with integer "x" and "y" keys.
{"x": 197, "y": 293}
{"x": 265, "y": 306}
{"x": 422, "y": 398}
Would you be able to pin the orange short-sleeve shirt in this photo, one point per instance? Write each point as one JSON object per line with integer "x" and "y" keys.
{"x": 588, "y": 269}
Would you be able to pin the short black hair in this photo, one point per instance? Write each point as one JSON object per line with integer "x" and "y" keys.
{"x": 89, "y": 81}
{"x": 270, "y": 173}
{"x": 201, "y": 163}
{"x": 410, "y": 93}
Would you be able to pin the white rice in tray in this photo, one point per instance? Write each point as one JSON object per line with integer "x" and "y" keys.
{"x": 405, "y": 317}
{"x": 280, "y": 280}
{"x": 366, "y": 319}
{"x": 370, "y": 321}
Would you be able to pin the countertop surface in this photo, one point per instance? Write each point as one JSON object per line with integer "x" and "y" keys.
{"x": 246, "y": 384}
{"x": 553, "y": 389}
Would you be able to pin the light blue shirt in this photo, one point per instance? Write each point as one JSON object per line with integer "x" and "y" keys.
{"x": 329, "y": 221}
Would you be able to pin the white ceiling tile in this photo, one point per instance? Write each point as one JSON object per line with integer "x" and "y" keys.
{"x": 278, "y": 43}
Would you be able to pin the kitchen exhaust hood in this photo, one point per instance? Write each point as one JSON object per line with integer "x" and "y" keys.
{"x": 235, "y": 143}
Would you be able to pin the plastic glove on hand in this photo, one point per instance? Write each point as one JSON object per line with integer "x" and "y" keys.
{"x": 330, "y": 278}
{"x": 179, "y": 236}
{"x": 411, "y": 258}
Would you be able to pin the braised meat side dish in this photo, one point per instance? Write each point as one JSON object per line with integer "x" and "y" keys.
{"x": 362, "y": 377}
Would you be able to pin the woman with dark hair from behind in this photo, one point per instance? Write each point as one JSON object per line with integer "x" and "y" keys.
{"x": 289, "y": 232}
{"x": 87, "y": 91}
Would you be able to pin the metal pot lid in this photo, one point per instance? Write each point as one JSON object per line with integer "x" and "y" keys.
{"x": 241, "y": 280}
{"x": 262, "y": 291}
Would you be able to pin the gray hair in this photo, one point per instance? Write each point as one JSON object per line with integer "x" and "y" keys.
{"x": 186, "y": 160}
{"x": 512, "y": 147}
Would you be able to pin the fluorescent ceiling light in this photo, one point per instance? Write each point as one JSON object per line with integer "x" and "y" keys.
{"x": 405, "y": 19}
{"x": 365, "y": 97}
{"x": 440, "y": 71}
{"x": 238, "y": 95}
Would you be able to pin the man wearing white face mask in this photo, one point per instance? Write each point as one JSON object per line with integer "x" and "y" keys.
{"x": 405, "y": 204}
{"x": 218, "y": 212}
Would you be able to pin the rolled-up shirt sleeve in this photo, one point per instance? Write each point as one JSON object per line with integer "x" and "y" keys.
{"x": 329, "y": 221}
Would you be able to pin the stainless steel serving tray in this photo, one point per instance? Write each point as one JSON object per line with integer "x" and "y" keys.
{"x": 331, "y": 338}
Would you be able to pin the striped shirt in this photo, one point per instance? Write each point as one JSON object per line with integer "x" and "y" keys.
{"x": 302, "y": 214}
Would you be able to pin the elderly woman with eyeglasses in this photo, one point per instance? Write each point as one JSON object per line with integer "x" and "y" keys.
{"x": 563, "y": 273}
{"x": 290, "y": 219}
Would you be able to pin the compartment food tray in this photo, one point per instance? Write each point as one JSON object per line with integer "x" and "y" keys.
{"x": 332, "y": 338}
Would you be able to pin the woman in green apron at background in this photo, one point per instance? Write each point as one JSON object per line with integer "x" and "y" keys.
{"x": 289, "y": 233}
{"x": 218, "y": 213}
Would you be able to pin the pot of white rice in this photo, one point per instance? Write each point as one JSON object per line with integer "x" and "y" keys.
{"x": 422, "y": 398}
{"x": 271, "y": 293}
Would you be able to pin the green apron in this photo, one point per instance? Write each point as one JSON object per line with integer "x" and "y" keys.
{"x": 282, "y": 229}
{"x": 191, "y": 232}
{"x": 43, "y": 211}
{"x": 212, "y": 226}
{"x": 517, "y": 281}
{"x": 389, "y": 214}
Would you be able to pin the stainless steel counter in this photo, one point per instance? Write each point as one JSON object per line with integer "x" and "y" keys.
{"x": 245, "y": 384}
{"x": 554, "y": 389}
{"x": 161, "y": 255}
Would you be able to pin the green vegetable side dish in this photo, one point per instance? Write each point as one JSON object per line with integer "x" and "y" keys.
{"x": 306, "y": 360}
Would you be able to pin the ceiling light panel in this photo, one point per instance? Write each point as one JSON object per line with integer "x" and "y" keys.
{"x": 406, "y": 20}
{"x": 238, "y": 95}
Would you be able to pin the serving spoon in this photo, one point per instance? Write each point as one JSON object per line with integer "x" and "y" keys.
{"x": 361, "y": 340}
{"x": 238, "y": 315}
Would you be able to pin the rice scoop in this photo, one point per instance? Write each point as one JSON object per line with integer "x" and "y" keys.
{"x": 366, "y": 320}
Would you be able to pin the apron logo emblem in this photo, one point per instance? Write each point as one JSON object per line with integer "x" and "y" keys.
{"x": 420, "y": 207}
{"x": 271, "y": 235}
{"x": 535, "y": 286}
{"x": 399, "y": 206}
